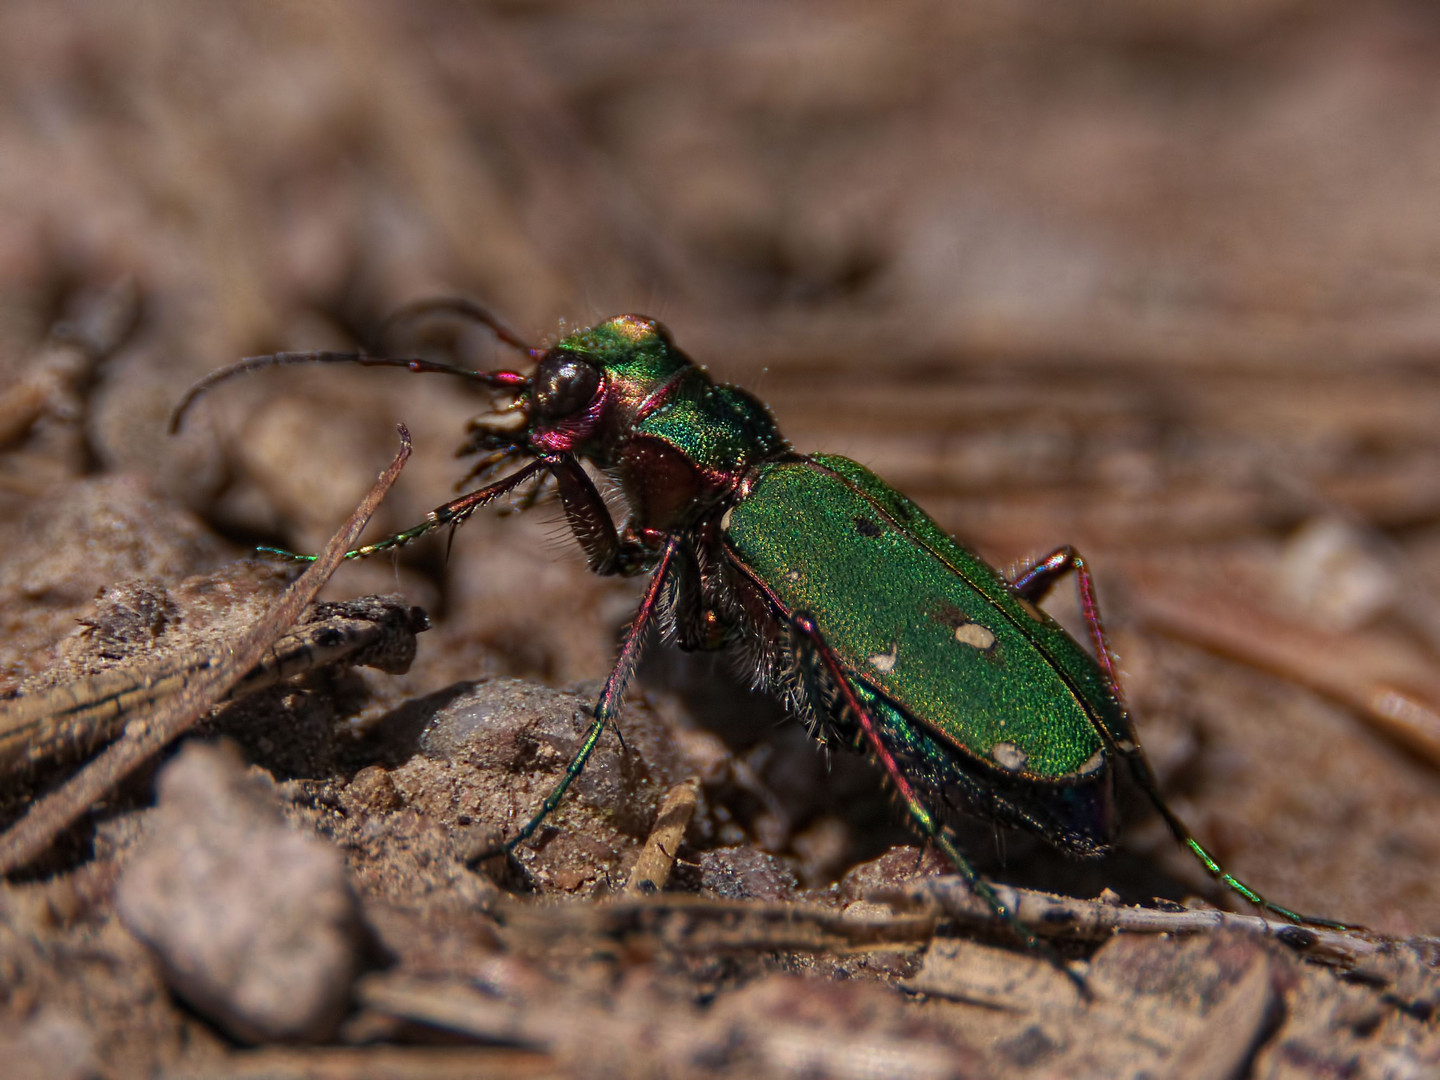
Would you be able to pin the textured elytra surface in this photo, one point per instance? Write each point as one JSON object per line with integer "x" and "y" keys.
{"x": 897, "y": 612}
{"x": 1159, "y": 285}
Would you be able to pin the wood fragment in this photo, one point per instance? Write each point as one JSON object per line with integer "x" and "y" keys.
{"x": 103, "y": 322}
{"x": 1195, "y": 1010}
{"x": 688, "y": 924}
{"x": 1055, "y": 916}
{"x": 73, "y": 719}
{"x": 657, "y": 858}
{"x": 458, "y": 1008}
{"x": 778, "y": 1045}
{"x": 906, "y": 916}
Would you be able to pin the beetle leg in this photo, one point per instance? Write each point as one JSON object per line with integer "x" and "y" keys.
{"x": 1036, "y": 582}
{"x": 806, "y": 633}
{"x": 1032, "y": 585}
{"x": 590, "y": 521}
{"x": 453, "y": 513}
{"x": 530, "y": 498}
{"x": 608, "y": 706}
{"x": 493, "y": 461}
{"x": 695, "y": 624}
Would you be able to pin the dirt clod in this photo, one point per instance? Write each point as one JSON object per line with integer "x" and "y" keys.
{"x": 253, "y": 923}
{"x": 490, "y": 755}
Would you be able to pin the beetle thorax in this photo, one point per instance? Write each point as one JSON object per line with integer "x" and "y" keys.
{"x": 623, "y": 397}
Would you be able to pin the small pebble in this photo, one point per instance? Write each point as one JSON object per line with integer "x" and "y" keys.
{"x": 253, "y": 923}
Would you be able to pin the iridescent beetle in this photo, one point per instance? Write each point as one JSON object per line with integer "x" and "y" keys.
{"x": 835, "y": 591}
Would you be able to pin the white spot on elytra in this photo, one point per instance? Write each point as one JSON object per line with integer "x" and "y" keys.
{"x": 725, "y": 520}
{"x": 1008, "y": 756}
{"x": 885, "y": 662}
{"x": 975, "y": 635}
{"x": 1093, "y": 764}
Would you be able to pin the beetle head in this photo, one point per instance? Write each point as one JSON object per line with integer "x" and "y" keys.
{"x": 595, "y": 382}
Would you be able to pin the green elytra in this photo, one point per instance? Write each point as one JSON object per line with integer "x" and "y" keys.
{"x": 829, "y": 587}
{"x": 921, "y": 620}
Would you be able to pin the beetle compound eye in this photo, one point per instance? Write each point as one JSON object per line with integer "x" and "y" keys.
{"x": 564, "y": 384}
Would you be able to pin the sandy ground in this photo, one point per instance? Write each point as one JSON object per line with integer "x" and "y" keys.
{"x": 1157, "y": 282}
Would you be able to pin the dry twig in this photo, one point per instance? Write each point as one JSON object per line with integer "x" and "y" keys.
{"x": 74, "y": 719}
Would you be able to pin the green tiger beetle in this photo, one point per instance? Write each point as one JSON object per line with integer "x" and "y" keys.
{"x": 832, "y": 590}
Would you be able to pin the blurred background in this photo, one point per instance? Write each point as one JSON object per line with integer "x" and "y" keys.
{"x": 1158, "y": 279}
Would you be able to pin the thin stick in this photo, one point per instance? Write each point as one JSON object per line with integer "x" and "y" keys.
{"x": 147, "y": 735}
{"x": 657, "y": 858}
{"x": 908, "y": 914}
{"x": 74, "y": 719}
{"x": 1074, "y": 919}
{"x": 1390, "y": 690}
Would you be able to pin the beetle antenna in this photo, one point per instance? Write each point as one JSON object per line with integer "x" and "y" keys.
{"x": 459, "y": 307}
{"x": 501, "y": 380}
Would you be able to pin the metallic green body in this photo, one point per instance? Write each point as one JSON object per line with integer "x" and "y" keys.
{"x": 660, "y": 394}
{"x": 719, "y": 429}
{"x": 630, "y": 349}
{"x": 921, "y": 621}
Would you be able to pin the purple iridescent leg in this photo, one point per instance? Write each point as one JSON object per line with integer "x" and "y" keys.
{"x": 1033, "y": 584}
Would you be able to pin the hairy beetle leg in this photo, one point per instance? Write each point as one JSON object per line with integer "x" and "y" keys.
{"x": 802, "y": 625}
{"x": 1033, "y": 584}
{"x": 607, "y": 708}
{"x": 453, "y": 513}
